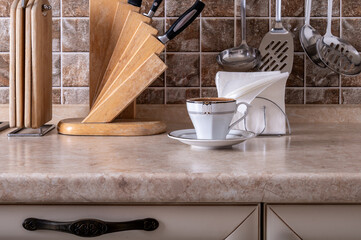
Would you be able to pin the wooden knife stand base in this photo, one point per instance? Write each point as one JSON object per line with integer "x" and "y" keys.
{"x": 124, "y": 61}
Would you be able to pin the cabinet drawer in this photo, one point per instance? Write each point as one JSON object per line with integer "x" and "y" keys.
{"x": 314, "y": 222}
{"x": 175, "y": 222}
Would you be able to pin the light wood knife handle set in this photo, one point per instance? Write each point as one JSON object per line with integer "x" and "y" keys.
{"x": 30, "y": 96}
{"x": 124, "y": 61}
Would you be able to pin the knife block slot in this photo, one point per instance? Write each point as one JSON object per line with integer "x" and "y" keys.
{"x": 124, "y": 61}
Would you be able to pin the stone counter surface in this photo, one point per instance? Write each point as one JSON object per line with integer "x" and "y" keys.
{"x": 319, "y": 163}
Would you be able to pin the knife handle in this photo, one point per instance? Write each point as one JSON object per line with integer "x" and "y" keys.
{"x": 154, "y": 8}
{"x": 137, "y": 3}
{"x": 183, "y": 22}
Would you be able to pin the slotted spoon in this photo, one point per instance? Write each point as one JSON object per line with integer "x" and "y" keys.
{"x": 277, "y": 47}
{"x": 336, "y": 53}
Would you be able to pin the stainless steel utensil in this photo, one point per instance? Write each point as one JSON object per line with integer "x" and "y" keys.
{"x": 154, "y": 8}
{"x": 336, "y": 53}
{"x": 277, "y": 47}
{"x": 309, "y": 37}
{"x": 244, "y": 57}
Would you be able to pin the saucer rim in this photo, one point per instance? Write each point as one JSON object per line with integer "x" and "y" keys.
{"x": 239, "y": 138}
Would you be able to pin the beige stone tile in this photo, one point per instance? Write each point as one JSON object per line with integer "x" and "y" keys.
{"x": 296, "y": 78}
{"x": 4, "y": 95}
{"x": 75, "y": 35}
{"x": 175, "y": 8}
{"x": 4, "y": 35}
{"x": 75, "y": 70}
{"x": 183, "y": 70}
{"x": 255, "y": 8}
{"x": 351, "y": 96}
{"x": 256, "y": 30}
{"x": 319, "y": 8}
{"x": 159, "y": 25}
{"x": 322, "y": 96}
{"x": 187, "y": 41}
{"x": 78, "y": 8}
{"x": 209, "y": 92}
{"x": 218, "y": 8}
{"x": 76, "y": 96}
{"x": 56, "y": 70}
{"x": 351, "y": 29}
{"x": 351, "y": 81}
{"x": 56, "y": 96}
{"x": 180, "y": 95}
{"x": 151, "y": 96}
{"x": 294, "y": 96}
{"x": 4, "y": 70}
{"x": 5, "y": 8}
{"x": 56, "y": 7}
{"x": 320, "y": 77}
{"x": 56, "y": 35}
{"x": 210, "y": 67}
{"x": 217, "y": 34}
{"x": 351, "y": 8}
{"x": 290, "y": 8}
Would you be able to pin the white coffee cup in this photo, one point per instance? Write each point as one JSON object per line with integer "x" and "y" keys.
{"x": 211, "y": 117}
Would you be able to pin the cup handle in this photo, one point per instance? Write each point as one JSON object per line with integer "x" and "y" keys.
{"x": 243, "y": 117}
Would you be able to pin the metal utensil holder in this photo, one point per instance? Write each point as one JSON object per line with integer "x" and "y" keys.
{"x": 289, "y": 130}
{"x": 29, "y": 132}
{"x": 3, "y": 126}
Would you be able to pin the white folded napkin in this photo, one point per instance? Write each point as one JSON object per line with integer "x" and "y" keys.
{"x": 270, "y": 106}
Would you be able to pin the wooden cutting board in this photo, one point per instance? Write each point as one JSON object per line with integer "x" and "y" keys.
{"x": 41, "y": 22}
{"x": 28, "y": 65}
{"x": 130, "y": 62}
{"x": 20, "y": 64}
{"x": 118, "y": 24}
{"x": 102, "y": 13}
{"x": 130, "y": 27}
{"x": 125, "y": 93}
{"x": 12, "y": 72}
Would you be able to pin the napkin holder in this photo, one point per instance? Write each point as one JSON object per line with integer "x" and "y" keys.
{"x": 266, "y": 95}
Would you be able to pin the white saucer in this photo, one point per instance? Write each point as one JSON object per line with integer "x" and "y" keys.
{"x": 189, "y": 137}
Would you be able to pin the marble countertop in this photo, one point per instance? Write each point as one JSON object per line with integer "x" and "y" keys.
{"x": 319, "y": 163}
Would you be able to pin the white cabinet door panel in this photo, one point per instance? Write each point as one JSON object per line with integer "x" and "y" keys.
{"x": 175, "y": 222}
{"x": 315, "y": 222}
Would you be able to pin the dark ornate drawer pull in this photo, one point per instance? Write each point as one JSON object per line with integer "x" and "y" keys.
{"x": 90, "y": 227}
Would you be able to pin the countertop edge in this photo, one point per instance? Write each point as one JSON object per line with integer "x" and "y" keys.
{"x": 158, "y": 188}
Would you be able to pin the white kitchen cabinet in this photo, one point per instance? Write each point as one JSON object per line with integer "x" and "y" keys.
{"x": 313, "y": 222}
{"x": 234, "y": 222}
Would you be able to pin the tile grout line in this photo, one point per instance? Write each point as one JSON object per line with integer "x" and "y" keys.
{"x": 61, "y": 53}
{"x": 305, "y": 72}
{"x": 340, "y": 77}
{"x": 165, "y": 54}
{"x": 235, "y": 24}
{"x": 269, "y": 15}
{"x": 200, "y": 55}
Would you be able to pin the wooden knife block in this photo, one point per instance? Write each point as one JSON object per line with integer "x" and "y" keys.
{"x": 113, "y": 90}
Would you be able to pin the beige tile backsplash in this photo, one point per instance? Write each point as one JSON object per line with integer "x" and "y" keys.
{"x": 191, "y": 57}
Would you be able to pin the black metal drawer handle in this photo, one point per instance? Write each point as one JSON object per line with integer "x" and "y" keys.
{"x": 90, "y": 227}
